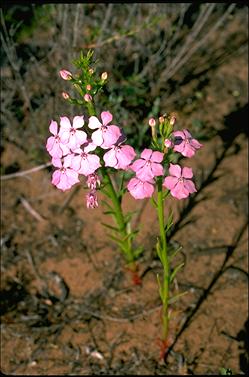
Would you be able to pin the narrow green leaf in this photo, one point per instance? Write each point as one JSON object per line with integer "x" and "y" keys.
{"x": 159, "y": 286}
{"x": 111, "y": 227}
{"x": 153, "y": 202}
{"x": 109, "y": 213}
{"x": 176, "y": 269}
{"x": 138, "y": 251}
{"x": 176, "y": 297}
{"x": 174, "y": 253}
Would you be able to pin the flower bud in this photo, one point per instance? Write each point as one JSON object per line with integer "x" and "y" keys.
{"x": 172, "y": 120}
{"x": 91, "y": 70}
{"x": 168, "y": 143}
{"x": 88, "y": 97}
{"x": 65, "y": 95}
{"x": 161, "y": 120}
{"x": 65, "y": 75}
{"x": 152, "y": 122}
{"x": 88, "y": 87}
{"x": 104, "y": 76}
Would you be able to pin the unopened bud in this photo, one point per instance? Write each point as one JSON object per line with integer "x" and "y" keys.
{"x": 161, "y": 120}
{"x": 168, "y": 143}
{"x": 152, "y": 122}
{"x": 104, "y": 76}
{"x": 91, "y": 70}
{"x": 172, "y": 120}
{"x": 65, "y": 95}
{"x": 65, "y": 75}
{"x": 88, "y": 87}
{"x": 88, "y": 97}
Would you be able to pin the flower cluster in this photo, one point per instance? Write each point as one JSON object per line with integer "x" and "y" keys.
{"x": 150, "y": 165}
{"x": 71, "y": 150}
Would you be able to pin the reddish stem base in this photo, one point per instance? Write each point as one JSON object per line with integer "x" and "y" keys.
{"x": 133, "y": 270}
{"x": 164, "y": 347}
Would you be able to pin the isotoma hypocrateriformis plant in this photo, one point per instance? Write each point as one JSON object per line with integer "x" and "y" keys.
{"x": 94, "y": 147}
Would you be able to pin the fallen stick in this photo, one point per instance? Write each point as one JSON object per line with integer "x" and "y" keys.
{"x": 25, "y": 172}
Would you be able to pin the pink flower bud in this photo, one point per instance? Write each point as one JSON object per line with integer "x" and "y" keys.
{"x": 65, "y": 95}
{"x": 161, "y": 120}
{"x": 65, "y": 75}
{"x": 104, "y": 76}
{"x": 88, "y": 87}
{"x": 88, "y": 97}
{"x": 152, "y": 122}
{"x": 168, "y": 143}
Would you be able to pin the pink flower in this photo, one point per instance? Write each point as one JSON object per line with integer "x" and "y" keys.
{"x": 65, "y": 75}
{"x": 148, "y": 166}
{"x": 84, "y": 162}
{"x": 91, "y": 199}
{"x": 105, "y": 136}
{"x": 93, "y": 181}
{"x": 65, "y": 177}
{"x": 179, "y": 182}
{"x": 119, "y": 156}
{"x": 54, "y": 145}
{"x": 140, "y": 189}
{"x": 185, "y": 144}
{"x": 69, "y": 135}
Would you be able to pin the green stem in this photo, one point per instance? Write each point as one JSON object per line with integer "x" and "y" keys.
{"x": 165, "y": 259}
{"x": 119, "y": 217}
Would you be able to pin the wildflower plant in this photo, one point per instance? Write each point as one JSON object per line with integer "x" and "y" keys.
{"x": 94, "y": 146}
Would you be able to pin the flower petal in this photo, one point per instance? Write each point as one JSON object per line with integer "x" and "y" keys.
{"x": 179, "y": 134}
{"x": 110, "y": 135}
{"x": 179, "y": 191}
{"x": 187, "y": 172}
{"x": 106, "y": 117}
{"x": 56, "y": 162}
{"x": 53, "y": 128}
{"x": 56, "y": 177}
{"x": 190, "y": 186}
{"x": 146, "y": 154}
{"x": 81, "y": 137}
{"x": 175, "y": 170}
{"x": 65, "y": 123}
{"x": 78, "y": 121}
{"x": 195, "y": 143}
{"x": 94, "y": 122}
{"x": 156, "y": 156}
{"x": 156, "y": 169}
{"x": 170, "y": 182}
{"x": 97, "y": 137}
{"x": 110, "y": 158}
{"x": 137, "y": 165}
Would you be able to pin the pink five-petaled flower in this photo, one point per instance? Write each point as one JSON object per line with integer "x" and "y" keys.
{"x": 179, "y": 182}
{"x": 70, "y": 135}
{"x": 185, "y": 144}
{"x": 93, "y": 181}
{"x": 65, "y": 177}
{"x": 148, "y": 166}
{"x": 54, "y": 146}
{"x": 105, "y": 136}
{"x": 91, "y": 199}
{"x": 119, "y": 156}
{"x": 83, "y": 161}
{"x": 140, "y": 189}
